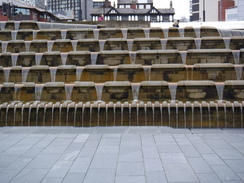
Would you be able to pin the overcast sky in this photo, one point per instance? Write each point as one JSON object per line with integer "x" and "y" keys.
{"x": 181, "y": 7}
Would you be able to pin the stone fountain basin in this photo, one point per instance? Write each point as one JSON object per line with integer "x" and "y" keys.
{"x": 196, "y": 89}
{"x": 117, "y": 86}
{"x": 237, "y": 87}
{"x": 195, "y": 93}
{"x": 54, "y": 87}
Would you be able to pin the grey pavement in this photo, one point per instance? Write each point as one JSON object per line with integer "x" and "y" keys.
{"x": 121, "y": 155}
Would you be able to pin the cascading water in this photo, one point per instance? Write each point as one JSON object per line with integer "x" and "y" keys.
{"x": 144, "y": 101}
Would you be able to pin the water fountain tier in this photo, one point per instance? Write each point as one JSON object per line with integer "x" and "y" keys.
{"x": 68, "y": 75}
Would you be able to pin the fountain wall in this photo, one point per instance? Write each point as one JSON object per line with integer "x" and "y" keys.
{"x": 72, "y": 76}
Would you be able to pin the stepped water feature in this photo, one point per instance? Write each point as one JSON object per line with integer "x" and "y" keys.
{"x": 88, "y": 76}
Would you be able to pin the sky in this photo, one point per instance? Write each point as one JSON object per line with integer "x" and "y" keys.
{"x": 181, "y": 7}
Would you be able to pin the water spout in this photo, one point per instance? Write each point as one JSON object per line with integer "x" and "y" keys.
{"x": 53, "y": 71}
{"x": 132, "y": 57}
{"x": 25, "y": 71}
{"x": 220, "y": 89}
{"x": 74, "y": 44}
{"x": 79, "y": 71}
{"x": 38, "y": 91}
{"x": 64, "y": 58}
{"x": 147, "y": 71}
{"x": 99, "y": 90}
{"x": 94, "y": 58}
{"x": 124, "y": 32}
{"x": 135, "y": 90}
{"x": 38, "y": 57}
{"x": 14, "y": 58}
{"x": 172, "y": 88}
{"x": 236, "y": 55}
{"x": 68, "y": 91}
{"x": 146, "y": 32}
{"x": 238, "y": 69}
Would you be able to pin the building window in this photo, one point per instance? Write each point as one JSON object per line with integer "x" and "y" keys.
{"x": 148, "y": 6}
{"x": 141, "y": 6}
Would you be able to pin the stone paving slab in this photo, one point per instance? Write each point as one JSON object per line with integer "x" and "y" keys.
{"x": 121, "y": 155}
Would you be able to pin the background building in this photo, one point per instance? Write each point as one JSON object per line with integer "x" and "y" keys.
{"x": 133, "y": 10}
{"x": 210, "y": 10}
{"x": 20, "y": 11}
{"x": 75, "y": 9}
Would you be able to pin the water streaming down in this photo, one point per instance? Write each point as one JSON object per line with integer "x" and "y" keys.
{"x": 197, "y": 31}
{"x": 236, "y": 55}
{"x": 227, "y": 42}
{"x": 137, "y": 114}
{"x": 14, "y": 58}
{"x": 177, "y": 115}
{"x": 166, "y": 33}
{"x": 68, "y": 91}
{"x": 35, "y": 34}
{"x": 3, "y": 23}
{"x": 60, "y": 114}
{"x": 64, "y": 58}
{"x": 132, "y": 57}
{"x": 4, "y": 46}
{"x": 6, "y": 71}
{"x": 94, "y": 56}
{"x": 79, "y": 71}
{"x": 27, "y": 45}
{"x": 172, "y": 88}
{"x": 145, "y": 111}
{"x": 74, "y": 44}
{"x": 183, "y": 55}
{"x": 50, "y": 45}
{"x": 147, "y": 71}
{"x": 101, "y": 44}
{"x": 131, "y": 108}
{"x": 114, "y": 110}
{"x": 182, "y": 32}
{"x": 198, "y": 43}
{"x": 146, "y": 32}
{"x": 38, "y": 91}
{"x": 124, "y": 32}
{"x": 14, "y": 34}
{"x": 238, "y": 69}
{"x": 17, "y": 89}
{"x": 63, "y": 34}
{"x": 96, "y": 33}
{"x": 164, "y": 43}
{"x": 153, "y": 114}
{"x": 67, "y": 114}
{"x": 135, "y": 90}
{"x": 99, "y": 90}
{"x": 38, "y": 57}
{"x": 25, "y": 71}
{"x": 53, "y": 71}
{"x": 192, "y": 115}
{"x": 130, "y": 44}
{"x": 16, "y": 25}
{"x": 169, "y": 113}
{"x": 200, "y": 108}
{"x": 220, "y": 89}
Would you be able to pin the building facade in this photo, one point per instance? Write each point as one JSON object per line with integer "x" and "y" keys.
{"x": 209, "y": 10}
{"x": 75, "y": 9}
{"x": 135, "y": 10}
{"x": 19, "y": 11}
{"x": 240, "y": 10}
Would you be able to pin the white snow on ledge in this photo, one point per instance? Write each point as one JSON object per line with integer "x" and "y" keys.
{"x": 219, "y": 25}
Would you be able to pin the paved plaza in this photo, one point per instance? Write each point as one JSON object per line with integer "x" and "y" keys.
{"x": 121, "y": 155}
